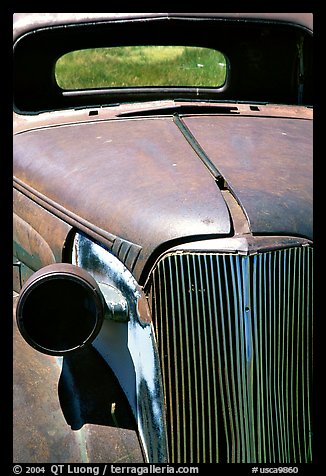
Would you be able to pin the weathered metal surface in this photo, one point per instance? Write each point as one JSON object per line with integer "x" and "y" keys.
{"x": 130, "y": 348}
{"x": 21, "y": 274}
{"x": 182, "y": 206}
{"x": 116, "y": 304}
{"x": 167, "y": 192}
{"x": 267, "y": 164}
{"x": 29, "y": 246}
{"x": 39, "y": 236}
{"x": 242, "y": 244}
{"x": 23, "y": 123}
{"x": 16, "y": 275}
{"x": 141, "y": 186}
{"x": 40, "y": 430}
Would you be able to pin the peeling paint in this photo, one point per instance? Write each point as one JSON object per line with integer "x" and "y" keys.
{"x": 129, "y": 348}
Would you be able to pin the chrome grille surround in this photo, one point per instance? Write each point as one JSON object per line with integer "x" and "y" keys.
{"x": 234, "y": 335}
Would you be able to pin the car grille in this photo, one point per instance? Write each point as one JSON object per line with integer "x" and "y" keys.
{"x": 234, "y": 335}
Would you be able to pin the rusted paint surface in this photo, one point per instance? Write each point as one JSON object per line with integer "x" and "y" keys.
{"x": 41, "y": 433}
{"x": 167, "y": 190}
{"x": 267, "y": 163}
{"x": 29, "y": 246}
{"x": 143, "y": 179}
{"x": 166, "y": 193}
{"x": 39, "y": 235}
{"x": 23, "y": 123}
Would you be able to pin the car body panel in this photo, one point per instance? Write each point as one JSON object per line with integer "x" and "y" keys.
{"x": 158, "y": 172}
{"x": 151, "y": 158}
{"x": 280, "y": 151}
{"x": 53, "y": 436}
{"x": 39, "y": 237}
{"x": 194, "y": 205}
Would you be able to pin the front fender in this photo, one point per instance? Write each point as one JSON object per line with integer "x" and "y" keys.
{"x": 51, "y": 426}
{"x": 129, "y": 347}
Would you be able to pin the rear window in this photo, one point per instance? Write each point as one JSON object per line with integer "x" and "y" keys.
{"x": 141, "y": 66}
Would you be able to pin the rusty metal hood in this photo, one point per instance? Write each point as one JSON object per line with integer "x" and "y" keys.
{"x": 267, "y": 163}
{"x": 136, "y": 180}
{"x": 139, "y": 181}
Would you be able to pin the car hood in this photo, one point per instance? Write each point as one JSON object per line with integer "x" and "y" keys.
{"x": 138, "y": 184}
{"x": 267, "y": 163}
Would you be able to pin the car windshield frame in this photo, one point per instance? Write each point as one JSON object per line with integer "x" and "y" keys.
{"x": 37, "y": 51}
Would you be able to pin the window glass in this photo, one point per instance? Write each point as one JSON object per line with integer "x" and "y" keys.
{"x": 141, "y": 66}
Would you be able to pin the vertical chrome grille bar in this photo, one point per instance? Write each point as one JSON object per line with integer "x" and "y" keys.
{"x": 288, "y": 355}
{"x": 270, "y": 363}
{"x": 303, "y": 330}
{"x": 169, "y": 366}
{"x": 309, "y": 350}
{"x": 260, "y": 371}
{"x": 298, "y": 355}
{"x": 235, "y": 340}
{"x": 242, "y": 363}
{"x": 225, "y": 389}
{"x": 280, "y": 333}
{"x": 178, "y": 354}
{"x": 283, "y": 354}
{"x": 204, "y": 350}
{"x": 257, "y": 352}
{"x": 228, "y": 344}
{"x": 212, "y": 357}
{"x": 195, "y": 363}
{"x": 248, "y": 315}
{"x": 239, "y": 400}
{"x": 201, "y": 423}
{"x": 190, "y": 384}
{"x": 292, "y": 379}
{"x": 275, "y": 325}
{"x": 266, "y": 358}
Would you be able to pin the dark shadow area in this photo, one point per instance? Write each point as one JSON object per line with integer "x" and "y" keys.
{"x": 90, "y": 393}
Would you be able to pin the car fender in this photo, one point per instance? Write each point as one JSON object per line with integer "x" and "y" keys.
{"x": 52, "y": 427}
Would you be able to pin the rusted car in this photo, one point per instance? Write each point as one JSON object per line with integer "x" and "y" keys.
{"x": 163, "y": 239}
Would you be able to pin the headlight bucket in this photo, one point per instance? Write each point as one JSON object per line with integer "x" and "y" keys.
{"x": 60, "y": 309}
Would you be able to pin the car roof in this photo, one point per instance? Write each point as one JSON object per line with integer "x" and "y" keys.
{"x": 24, "y": 22}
